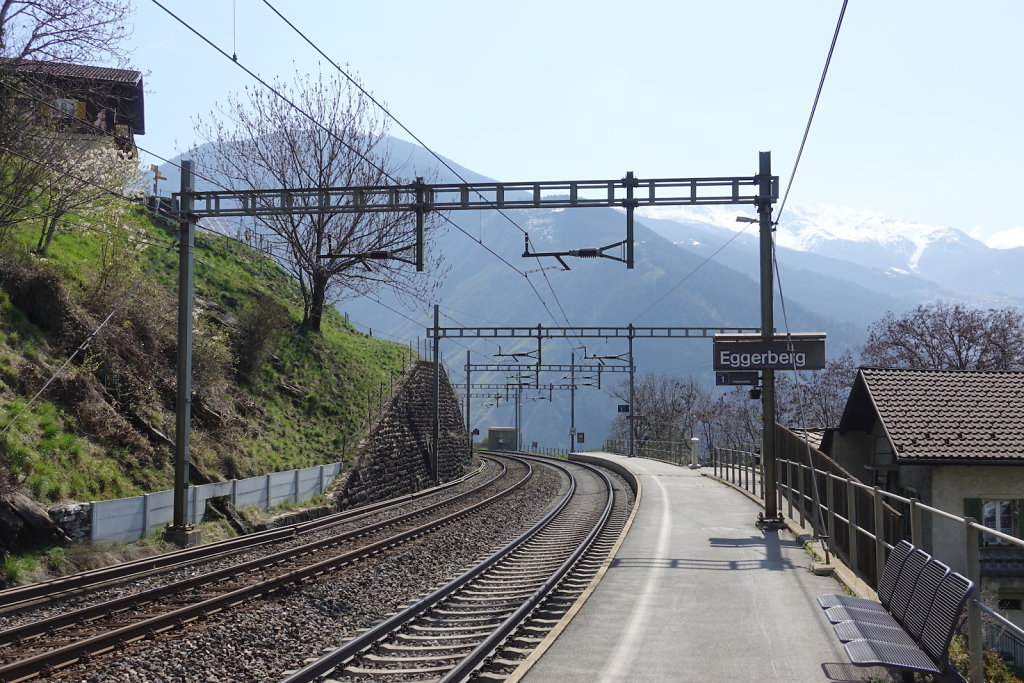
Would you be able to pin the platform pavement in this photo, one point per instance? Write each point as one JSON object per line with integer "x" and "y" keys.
{"x": 696, "y": 592}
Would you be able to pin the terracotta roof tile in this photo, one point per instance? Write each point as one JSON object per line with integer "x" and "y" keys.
{"x": 950, "y": 414}
{"x": 97, "y": 73}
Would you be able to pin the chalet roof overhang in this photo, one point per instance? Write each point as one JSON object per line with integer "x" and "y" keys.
{"x": 941, "y": 417}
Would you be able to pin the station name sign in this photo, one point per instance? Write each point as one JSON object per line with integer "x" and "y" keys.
{"x": 801, "y": 351}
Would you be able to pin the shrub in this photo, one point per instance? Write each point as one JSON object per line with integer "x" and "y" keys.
{"x": 996, "y": 670}
{"x": 262, "y": 323}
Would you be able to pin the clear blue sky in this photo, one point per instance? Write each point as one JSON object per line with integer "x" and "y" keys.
{"x": 921, "y": 116}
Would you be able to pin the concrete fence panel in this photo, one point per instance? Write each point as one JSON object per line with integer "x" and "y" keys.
{"x": 251, "y": 493}
{"x": 127, "y": 519}
{"x": 117, "y": 520}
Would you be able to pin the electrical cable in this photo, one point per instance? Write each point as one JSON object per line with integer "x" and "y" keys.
{"x": 437, "y": 156}
{"x": 691, "y": 273}
{"x": 373, "y": 164}
{"x": 814, "y": 107}
{"x": 384, "y": 109}
{"x": 217, "y": 184}
{"x": 312, "y": 119}
{"x": 778, "y": 278}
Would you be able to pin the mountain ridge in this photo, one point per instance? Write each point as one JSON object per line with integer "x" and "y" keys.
{"x": 696, "y": 272}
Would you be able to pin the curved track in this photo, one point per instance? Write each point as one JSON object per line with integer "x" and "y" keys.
{"x": 22, "y": 598}
{"x": 485, "y": 620}
{"x": 45, "y": 645}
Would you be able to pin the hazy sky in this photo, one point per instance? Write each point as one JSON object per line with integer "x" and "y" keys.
{"x": 921, "y": 115}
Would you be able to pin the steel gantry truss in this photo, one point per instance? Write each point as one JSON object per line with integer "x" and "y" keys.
{"x": 420, "y": 198}
{"x": 541, "y": 332}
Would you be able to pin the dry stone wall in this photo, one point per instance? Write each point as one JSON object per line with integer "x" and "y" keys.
{"x": 394, "y": 458}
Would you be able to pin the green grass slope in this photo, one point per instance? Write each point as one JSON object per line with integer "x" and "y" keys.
{"x": 267, "y": 395}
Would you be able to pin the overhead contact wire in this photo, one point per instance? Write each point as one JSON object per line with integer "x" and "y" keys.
{"x": 437, "y": 156}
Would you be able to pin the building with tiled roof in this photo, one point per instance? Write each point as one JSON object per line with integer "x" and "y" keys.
{"x": 85, "y": 101}
{"x": 955, "y": 441}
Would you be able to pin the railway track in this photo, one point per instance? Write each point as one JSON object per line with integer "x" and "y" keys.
{"x": 47, "y": 645}
{"x": 485, "y": 621}
{"x": 35, "y": 595}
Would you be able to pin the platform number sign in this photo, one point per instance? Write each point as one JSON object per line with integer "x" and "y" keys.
{"x": 623, "y": 408}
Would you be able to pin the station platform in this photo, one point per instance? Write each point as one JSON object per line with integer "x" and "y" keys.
{"x": 696, "y": 592}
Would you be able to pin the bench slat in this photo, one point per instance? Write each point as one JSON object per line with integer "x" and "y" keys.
{"x": 862, "y": 630}
{"x": 886, "y": 584}
{"x": 881, "y": 653}
{"x": 944, "y": 615}
{"x": 919, "y": 611}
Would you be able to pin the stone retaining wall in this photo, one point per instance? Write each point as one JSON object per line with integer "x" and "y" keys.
{"x": 394, "y": 458}
{"x": 75, "y": 519}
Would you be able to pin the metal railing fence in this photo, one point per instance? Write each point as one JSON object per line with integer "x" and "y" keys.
{"x": 846, "y": 513}
{"x": 677, "y": 452}
{"x": 740, "y": 468}
{"x": 548, "y": 450}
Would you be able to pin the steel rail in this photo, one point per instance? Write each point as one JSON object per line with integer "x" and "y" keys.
{"x": 365, "y": 641}
{"x": 66, "y": 655}
{"x": 465, "y": 668}
{"x": 31, "y": 595}
{"x": 135, "y": 600}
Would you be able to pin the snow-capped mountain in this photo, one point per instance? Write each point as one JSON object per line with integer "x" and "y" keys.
{"x": 891, "y": 248}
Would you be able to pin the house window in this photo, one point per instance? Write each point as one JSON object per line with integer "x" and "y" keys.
{"x": 998, "y": 515}
{"x": 64, "y": 107}
{"x": 1003, "y": 515}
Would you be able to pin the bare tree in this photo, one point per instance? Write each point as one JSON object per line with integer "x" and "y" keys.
{"x": 731, "y": 421}
{"x": 944, "y": 336}
{"x": 76, "y": 31}
{"x": 333, "y": 139}
{"x": 816, "y": 398}
{"x": 89, "y": 182}
{"x": 664, "y": 408}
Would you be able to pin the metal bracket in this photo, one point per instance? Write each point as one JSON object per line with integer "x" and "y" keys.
{"x": 376, "y": 255}
{"x": 591, "y": 252}
{"x": 770, "y": 523}
{"x": 515, "y": 355}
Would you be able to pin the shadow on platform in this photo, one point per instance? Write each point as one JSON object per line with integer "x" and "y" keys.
{"x": 772, "y": 561}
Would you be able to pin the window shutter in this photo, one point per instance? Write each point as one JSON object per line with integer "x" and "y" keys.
{"x": 80, "y": 110}
{"x": 973, "y": 508}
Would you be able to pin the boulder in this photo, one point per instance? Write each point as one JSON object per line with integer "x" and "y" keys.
{"x": 25, "y": 526}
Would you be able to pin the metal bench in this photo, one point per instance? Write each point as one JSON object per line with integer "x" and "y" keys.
{"x": 907, "y": 628}
{"x": 912, "y": 633}
{"x": 903, "y": 590}
{"x": 931, "y": 652}
{"x": 886, "y": 584}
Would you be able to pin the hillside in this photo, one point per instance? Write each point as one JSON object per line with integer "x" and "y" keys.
{"x": 267, "y": 396}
